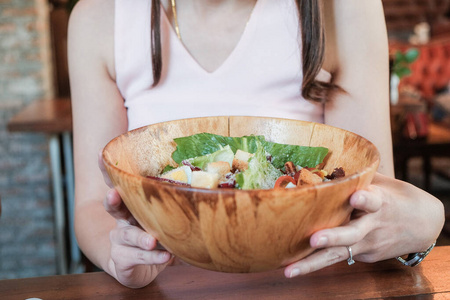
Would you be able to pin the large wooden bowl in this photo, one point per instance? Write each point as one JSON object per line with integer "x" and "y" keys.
{"x": 235, "y": 230}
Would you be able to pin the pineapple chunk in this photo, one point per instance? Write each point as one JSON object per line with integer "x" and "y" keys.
{"x": 204, "y": 179}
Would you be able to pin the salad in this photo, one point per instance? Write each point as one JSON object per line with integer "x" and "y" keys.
{"x": 250, "y": 162}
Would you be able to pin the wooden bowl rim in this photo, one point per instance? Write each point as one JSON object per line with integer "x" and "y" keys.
{"x": 373, "y": 165}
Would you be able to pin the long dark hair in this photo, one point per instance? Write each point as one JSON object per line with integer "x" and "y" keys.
{"x": 313, "y": 48}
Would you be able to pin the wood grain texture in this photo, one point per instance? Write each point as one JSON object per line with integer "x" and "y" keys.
{"x": 47, "y": 116}
{"x": 382, "y": 280}
{"x": 234, "y": 230}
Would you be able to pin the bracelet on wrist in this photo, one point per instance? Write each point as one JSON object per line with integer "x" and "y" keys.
{"x": 414, "y": 259}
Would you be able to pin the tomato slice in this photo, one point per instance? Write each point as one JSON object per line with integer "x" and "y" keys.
{"x": 296, "y": 176}
{"x": 283, "y": 181}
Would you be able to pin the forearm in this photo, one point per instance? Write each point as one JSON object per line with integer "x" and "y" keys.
{"x": 430, "y": 217}
{"x": 92, "y": 227}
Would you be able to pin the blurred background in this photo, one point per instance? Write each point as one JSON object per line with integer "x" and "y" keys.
{"x": 36, "y": 170}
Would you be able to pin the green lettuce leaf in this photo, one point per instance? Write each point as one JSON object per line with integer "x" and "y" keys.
{"x": 224, "y": 154}
{"x": 261, "y": 174}
{"x": 167, "y": 169}
{"x": 303, "y": 156}
{"x": 206, "y": 143}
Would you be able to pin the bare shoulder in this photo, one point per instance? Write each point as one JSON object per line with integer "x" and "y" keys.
{"x": 354, "y": 29}
{"x": 95, "y": 15}
{"x": 91, "y": 31}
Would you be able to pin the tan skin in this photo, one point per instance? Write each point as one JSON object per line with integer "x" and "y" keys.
{"x": 391, "y": 217}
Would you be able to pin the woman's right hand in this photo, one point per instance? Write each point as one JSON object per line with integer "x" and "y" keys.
{"x": 134, "y": 260}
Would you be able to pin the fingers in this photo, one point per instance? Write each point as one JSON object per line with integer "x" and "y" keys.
{"x": 334, "y": 241}
{"x": 129, "y": 235}
{"x": 341, "y": 236}
{"x": 112, "y": 201}
{"x": 115, "y": 207}
{"x": 132, "y": 257}
{"x": 368, "y": 201}
{"x": 319, "y": 260}
{"x": 133, "y": 246}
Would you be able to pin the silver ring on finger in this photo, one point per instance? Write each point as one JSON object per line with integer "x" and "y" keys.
{"x": 350, "y": 260}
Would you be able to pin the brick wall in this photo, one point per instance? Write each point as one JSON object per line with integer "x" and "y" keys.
{"x": 403, "y": 15}
{"x": 27, "y": 246}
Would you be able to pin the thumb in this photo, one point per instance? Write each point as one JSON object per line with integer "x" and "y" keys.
{"x": 102, "y": 167}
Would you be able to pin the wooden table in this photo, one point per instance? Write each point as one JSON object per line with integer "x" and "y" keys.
{"x": 54, "y": 117}
{"x": 49, "y": 116}
{"x": 388, "y": 279}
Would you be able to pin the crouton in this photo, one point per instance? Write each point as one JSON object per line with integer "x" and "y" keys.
{"x": 240, "y": 161}
{"x": 308, "y": 177}
{"x": 204, "y": 179}
{"x": 222, "y": 168}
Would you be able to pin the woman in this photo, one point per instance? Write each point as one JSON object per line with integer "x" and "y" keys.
{"x": 244, "y": 57}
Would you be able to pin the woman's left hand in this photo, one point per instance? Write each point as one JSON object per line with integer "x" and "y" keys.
{"x": 391, "y": 218}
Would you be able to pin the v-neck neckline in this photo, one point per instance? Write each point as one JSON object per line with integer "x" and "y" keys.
{"x": 232, "y": 56}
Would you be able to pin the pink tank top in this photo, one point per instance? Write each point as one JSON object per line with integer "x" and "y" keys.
{"x": 261, "y": 77}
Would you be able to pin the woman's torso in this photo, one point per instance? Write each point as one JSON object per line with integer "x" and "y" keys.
{"x": 261, "y": 77}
